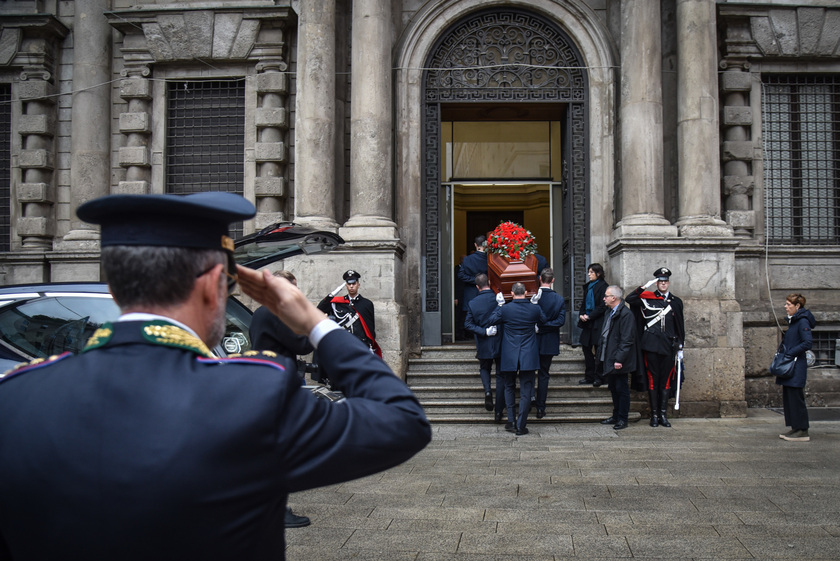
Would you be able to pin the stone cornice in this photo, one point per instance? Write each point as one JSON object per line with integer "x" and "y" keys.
{"x": 180, "y": 34}
{"x": 777, "y": 31}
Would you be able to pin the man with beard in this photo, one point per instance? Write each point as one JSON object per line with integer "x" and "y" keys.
{"x": 146, "y": 445}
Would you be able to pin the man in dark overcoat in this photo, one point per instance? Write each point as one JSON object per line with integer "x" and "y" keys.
{"x": 617, "y": 352}
{"x": 661, "y": 326}
{"x": 146, "y": 445}
{"x": 520, "y": 353}
{"x": 553, "y": 307}
{"x": 487, "y": 342}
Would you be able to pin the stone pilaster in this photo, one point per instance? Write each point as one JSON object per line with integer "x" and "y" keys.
{"x": 271, "y": 120}
{"x": 90, "y": 166}
{"x": 371, "y": 145}
{"x": 136, "y": 128}
{"x": 315, "y": 128}
{"x": 36, "y": 195}
{"x": 736, "y": 127}
{"x": 640, "y": 114}
{"x": 697, "y": 121}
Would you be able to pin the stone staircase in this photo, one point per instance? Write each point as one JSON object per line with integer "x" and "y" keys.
{"x": 445, "y": 379}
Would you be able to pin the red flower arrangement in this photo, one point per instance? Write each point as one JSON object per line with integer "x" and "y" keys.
{"x": 512, "y": 241}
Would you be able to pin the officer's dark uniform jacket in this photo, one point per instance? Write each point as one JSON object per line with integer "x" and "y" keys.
{"x": 146, "y": 447}
{"x": 479, "y": 314}
{"x": 554, "y": 307}
{"x": 346, "y": 312}
{"x": 662, "y": 329}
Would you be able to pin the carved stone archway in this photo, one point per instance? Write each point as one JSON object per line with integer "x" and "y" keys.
{"x": 507, "y": 55}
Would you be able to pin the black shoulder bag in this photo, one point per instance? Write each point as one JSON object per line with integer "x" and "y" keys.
{"x": 783, "y": 364}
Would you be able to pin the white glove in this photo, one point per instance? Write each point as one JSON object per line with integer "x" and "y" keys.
{"x": 650, "y": 283}
{"x": 536, "y": 328}
{"x": 500, "y": 298}
{"x": 679, "y": 355}
{"x": 536, "y": 297}
{"x": 492, "y": 330}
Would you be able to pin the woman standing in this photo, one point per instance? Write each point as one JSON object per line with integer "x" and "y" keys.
{"x": 590, "y": 321}
{"x": 797, "y": 340}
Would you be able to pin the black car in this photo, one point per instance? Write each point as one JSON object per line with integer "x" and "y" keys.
{"x": 42, "y": 320}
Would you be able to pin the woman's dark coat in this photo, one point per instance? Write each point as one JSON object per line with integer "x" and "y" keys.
{"x": 591, "y": 330}
{"x": 798, "y": 339}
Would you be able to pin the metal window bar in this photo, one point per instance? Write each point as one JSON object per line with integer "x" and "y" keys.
{"x": 205, "y": 138}
{"x": 801, "y": 122}
{"x": 824, "y": 346}
{"x": 5, "y": 167}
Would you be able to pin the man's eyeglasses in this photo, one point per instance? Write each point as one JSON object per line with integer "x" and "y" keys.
{"x": 232, "y": 279}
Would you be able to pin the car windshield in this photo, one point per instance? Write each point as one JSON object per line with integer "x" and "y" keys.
{"x": 53, "y": 324}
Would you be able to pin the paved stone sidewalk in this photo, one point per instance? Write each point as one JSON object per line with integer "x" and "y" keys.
{"x": 705, "y": 489}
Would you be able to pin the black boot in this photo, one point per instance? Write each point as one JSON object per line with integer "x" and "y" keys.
{"x": 663, "y": 408}
{"x": 654, "y": 409}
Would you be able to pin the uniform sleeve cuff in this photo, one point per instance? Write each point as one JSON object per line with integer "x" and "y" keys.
{"x": 319, "y": 331}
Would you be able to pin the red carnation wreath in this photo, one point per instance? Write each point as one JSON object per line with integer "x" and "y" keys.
{"x": 512, "y": 241}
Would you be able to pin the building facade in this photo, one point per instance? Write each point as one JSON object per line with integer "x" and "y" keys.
{"x": 699, "y": 135}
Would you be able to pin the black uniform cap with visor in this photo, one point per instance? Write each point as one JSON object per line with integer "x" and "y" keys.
{"x": 197, "y": 221}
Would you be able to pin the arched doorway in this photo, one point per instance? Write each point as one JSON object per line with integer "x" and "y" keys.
{"x": 512, "y": 70}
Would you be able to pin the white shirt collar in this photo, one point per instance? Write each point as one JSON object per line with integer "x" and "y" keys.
{"x": 142, "y": 316}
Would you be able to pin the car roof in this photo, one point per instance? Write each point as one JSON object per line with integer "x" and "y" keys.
{"x": 64, "y": 287}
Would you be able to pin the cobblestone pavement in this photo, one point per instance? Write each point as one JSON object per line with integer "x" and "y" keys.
{"x": 704, "y": 489}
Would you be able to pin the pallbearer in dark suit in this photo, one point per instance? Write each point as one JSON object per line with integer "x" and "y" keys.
{"x": 553, "y": 307}
{"x": 146, "y": 446}
{"x": 487, "y": 341}
{"x": 520, "y": 353}
{"x": 661, "y": 323}
{"x": 473, "y": 264}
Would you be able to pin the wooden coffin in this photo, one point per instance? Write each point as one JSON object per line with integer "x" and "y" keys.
{"x": 503, "y": 274}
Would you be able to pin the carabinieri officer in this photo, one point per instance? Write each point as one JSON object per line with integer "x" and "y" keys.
{"x": 146, "y": 445}
{"x": 660, "y": 320}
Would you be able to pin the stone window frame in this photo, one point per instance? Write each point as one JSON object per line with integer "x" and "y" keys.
{"x": 159, "y": 117}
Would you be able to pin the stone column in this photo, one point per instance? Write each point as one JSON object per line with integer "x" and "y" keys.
{"x": 90, "y": 166}
{"x": 698, "y": 136}
{"x": 371, "y": 144}
{"x": 642, "y": 189}
{"x": 315, "y": 131}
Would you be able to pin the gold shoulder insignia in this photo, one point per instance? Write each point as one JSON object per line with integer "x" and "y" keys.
{"x": 163, "y": 333}
{"x": 99, "y": 337}
{"x": 33, "y": 362}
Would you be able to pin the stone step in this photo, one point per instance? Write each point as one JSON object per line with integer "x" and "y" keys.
{"x": 453, "y": 377}
{"x": 551, "y": 417}
{"x": 558, "y": 365}
{"x": 475, "y": 390}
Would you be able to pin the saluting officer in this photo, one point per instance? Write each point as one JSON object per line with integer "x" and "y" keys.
{"x": 146, "y": 445}
{"x": 660, "y": 320}
{"x": 353, "y": 312}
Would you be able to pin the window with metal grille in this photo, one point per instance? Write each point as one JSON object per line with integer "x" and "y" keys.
{"x": 824, "y": 346}
{"x": 801, "y": 122}
{"x": 5, "y": 166}
{"x": 205, "y": 138}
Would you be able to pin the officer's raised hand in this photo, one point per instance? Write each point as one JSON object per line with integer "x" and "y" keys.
{"x": 650, "y": 283}
{"x": 283, "y": 298}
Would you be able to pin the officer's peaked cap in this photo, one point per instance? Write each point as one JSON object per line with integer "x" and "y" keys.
{"x": 351, "y": 276}
{"x": 199, "y": 221}
{"x": 662, "y": 273}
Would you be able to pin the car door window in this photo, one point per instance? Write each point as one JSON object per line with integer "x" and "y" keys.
{"x": 54, "y": 324}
